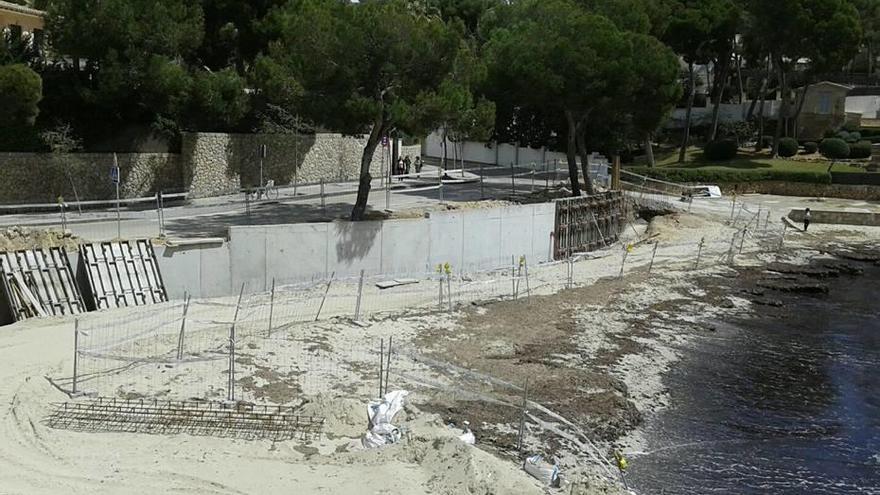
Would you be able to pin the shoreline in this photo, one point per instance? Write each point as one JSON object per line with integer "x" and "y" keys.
{"x": 593, "y": 359}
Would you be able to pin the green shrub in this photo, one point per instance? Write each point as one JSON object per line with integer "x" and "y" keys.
{"x": 810, "y": 147}
{"x": 766, "y": 141}
{"x": 862, "y": 149}
{"x": 716, "y": 176}
{"x": 723, "y": 149}
{"x": 834, "y": 148}
{"x": 844, "y": 135}
{"x": 21, "y": 90}
{"x": 787, "y": 147}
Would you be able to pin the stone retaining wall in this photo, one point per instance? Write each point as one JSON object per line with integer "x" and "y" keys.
{"x": 42, "y": 177}
{"x": 223, "y": 163}
{"x": 869, "y": 193}
{"x": 209, "y": 164}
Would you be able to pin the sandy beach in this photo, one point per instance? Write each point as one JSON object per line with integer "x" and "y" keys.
{"x": 588, "y": 360}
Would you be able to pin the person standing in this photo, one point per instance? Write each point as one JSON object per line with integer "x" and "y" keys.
{"x": 807, "y": 216}
{"x": 407, "y": 163}
{"x": 400, "y": 169}
{"x": 418, "y": 164}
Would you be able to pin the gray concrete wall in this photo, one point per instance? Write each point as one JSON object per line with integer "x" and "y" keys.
{"x": 469, "y": 240}
{"x": 837, "y": 217}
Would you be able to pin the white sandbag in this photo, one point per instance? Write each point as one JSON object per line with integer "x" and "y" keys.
{"x": 546, "y": 473}
{"x": 381, "y": 414}
{"x": 468, "y": 436}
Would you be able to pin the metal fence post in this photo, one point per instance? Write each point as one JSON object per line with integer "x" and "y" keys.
{"x": 180, "y": 337}
{"x": 482, "y": 194}
{"x": 742, "y": 240}
{"x": 512, "y": 181}
{"x": 323, "y": 201}
{"x": 75, "y": 353}
{"x": 326, "y": 291}
{"x": 230, "y": 394}
{"x": 623, "y": 261}
{"x": 388, "y": 365}
{"x": 357, "y": 307}
{"x": 513, "y": 276}
{"x": 271, "y": 307}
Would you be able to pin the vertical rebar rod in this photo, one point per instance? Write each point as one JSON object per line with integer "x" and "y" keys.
{"x": 526, "y": 270}
{"x": 271, "y": 307}
{"x": 699, "y": 253}
{"x": 357, "y": 307}
{"x": 381, "y": 364}
{"x": 449, "y": 290}
{"x": 742, "y": 240}
{"x": 653, "y": 254}
{"x": 598, "y": 229}
{"x": 159, "y": 214}
{"x": 732, "y": 207}
{"x": 730, "y": 249}
{"x": 326, "y": 291}
{"x": 623, "y": 261}
{"x": 440, "y": 295}
{"x": 75, "y": 353}
{"x": 388, "y": 365}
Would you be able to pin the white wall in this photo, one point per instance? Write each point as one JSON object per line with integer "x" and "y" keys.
{"x": 728, "y": 112}
{"x": 490, "y": 153}
{"x": 867, "y": 106}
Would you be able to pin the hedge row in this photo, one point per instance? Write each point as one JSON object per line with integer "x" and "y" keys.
{"x": 712, "y": 176}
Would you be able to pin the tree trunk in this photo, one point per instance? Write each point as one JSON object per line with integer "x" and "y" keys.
{"x": 687, "y": 116}
{"x": 719, "y": 94}
{"x": 800, "y": 107}
{"x": 870, "y": 61}
{"x": 739, "y": 78}
{"x": 581, "y": 143}
{"x": 445, "y": 134}
{"x": 571, "y": 155}
{"x": 783, "y": 108}
{"x": 365, "y": 182}
{"x": 762, "y": 92}
{"x": 649, "y": 149}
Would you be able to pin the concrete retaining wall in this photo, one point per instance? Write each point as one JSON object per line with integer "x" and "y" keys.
{"x": 469, "y": 240}
{"x": 837, "y": 217}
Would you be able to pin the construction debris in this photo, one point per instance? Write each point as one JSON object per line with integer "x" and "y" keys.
{"x": 38, "y": 283}
{"x": 123, "y": 274}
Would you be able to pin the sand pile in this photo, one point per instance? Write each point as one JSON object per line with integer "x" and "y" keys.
{"x": 680, "y": 226}
{"x": 15, "y": 238}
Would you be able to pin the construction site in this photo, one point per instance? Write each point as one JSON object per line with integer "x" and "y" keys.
{"x": 508, "y": 346}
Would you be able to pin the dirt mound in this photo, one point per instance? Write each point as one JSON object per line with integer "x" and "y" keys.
{"x": 16, "y": 238}
{"x": 342, "y": 417}
{"x": 676, "y": 226}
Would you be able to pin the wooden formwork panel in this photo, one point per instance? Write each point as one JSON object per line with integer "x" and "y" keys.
{"x": 123, "y": 274}
{"x": 39, "y": 282}
{"x": 588, "y": 223}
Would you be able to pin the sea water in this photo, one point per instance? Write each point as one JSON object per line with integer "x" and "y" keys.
{"x": 787, "y": 402}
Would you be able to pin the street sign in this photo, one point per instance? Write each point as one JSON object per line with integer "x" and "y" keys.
{"x": 114, "y": 174}
{"x": 384, "y": 141}
{"x": 264, "y": 151}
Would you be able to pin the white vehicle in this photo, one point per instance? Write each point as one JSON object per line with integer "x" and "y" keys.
{"x": 707, "y": 192}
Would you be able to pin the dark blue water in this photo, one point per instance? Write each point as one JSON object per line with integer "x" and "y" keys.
{"x": 785, "y": 404}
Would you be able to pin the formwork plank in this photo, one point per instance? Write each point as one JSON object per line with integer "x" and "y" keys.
{"x": 45, "y": 276}
{"x": 123, "y": 274}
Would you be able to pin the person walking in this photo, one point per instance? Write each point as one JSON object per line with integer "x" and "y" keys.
{"x": 807, "y": 216}
{"x": 418, "y": 164}
{"x": 400, "y": 169}
{"x": 407, "y": 163}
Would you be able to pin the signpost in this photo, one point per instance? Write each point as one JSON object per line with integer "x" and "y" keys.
{"x": 114, "y": 177}
{"x": 264, "y": 150}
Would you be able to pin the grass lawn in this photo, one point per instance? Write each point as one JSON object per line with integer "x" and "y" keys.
{"x": 746, "y": 160}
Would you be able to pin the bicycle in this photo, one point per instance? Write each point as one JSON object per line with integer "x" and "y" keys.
{"x": 269, "y": 191}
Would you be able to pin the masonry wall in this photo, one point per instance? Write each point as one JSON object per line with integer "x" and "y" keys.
{"x": 42, "y": 177}
{"x": 469, "y": 240}
{"x": 209, "y": 164}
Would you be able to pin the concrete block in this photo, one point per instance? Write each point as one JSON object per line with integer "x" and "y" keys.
{"x": 247, "y": 258}
{"x": 298, "y": 252}
{"x": 445, "y": 238}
